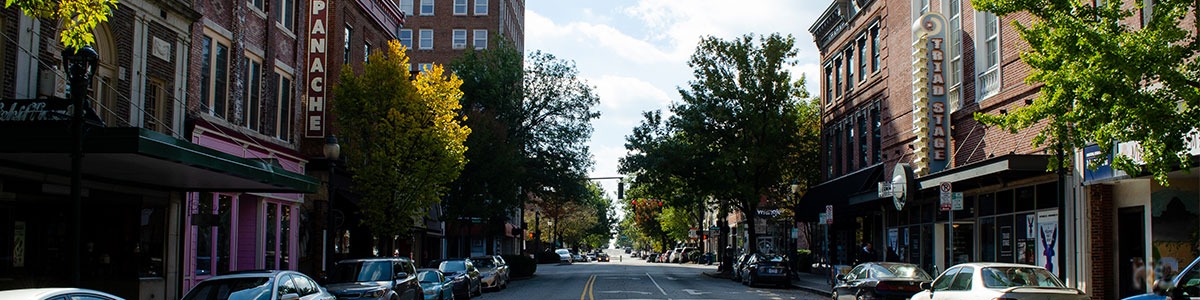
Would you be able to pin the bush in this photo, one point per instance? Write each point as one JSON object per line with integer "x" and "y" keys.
{"x": 520, "y": 265}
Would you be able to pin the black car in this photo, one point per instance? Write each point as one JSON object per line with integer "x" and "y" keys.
{"x": 766, "y": 268}
{"x": 739, "y": 263}
{"x": 880, "y": 280}
{"x": 375, "y": 278}
{"x": 602, "y": 257}
{"x": 462, "y": 271}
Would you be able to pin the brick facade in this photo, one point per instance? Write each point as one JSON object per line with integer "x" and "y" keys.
{"x": 506, "y": 17}
{"x": 1103, "y": 246}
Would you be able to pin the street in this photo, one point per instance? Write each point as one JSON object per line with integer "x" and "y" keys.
{"x": 633, "y": 278}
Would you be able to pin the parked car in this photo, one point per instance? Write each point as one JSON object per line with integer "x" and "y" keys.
{"x": 652, "y": 257}
{"x": 493, "y": 271}
{"x": 57, "y": 293}
{"x": 880, "y": 281}
{"x": 766, "y": 268}
{"x": 375, "y": 278}
{"x": 577, "y": 257}
{"x": 435, "y": 284}
{"x": 602, "y": 257}
{"x": 737, "y": 266}
{"x": 465, "y": 276}
{"x": 1186, "y": 285}
{"x": 997, "y": 281}
{"x": 564, "y": 256}
{"x": 259, "y": 285}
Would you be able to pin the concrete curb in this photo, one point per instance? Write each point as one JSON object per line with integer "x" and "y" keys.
{"x": 814, "y": 290}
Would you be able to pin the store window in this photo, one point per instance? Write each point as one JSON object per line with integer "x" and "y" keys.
{"x": 277, "y": 236}
{"x": 212, "y": 222}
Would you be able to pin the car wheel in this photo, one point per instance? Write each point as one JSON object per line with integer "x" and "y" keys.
{"x": 750, "y": 280}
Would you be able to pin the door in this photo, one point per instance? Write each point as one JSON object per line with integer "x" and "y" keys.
{"x": 1131, "y": 251}
{"x": 959, "y": 288}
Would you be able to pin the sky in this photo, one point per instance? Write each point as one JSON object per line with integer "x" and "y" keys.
{"x": 634, "y": 52}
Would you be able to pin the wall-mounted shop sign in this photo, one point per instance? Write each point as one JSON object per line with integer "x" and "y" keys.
{"x": 40, "y": 110}
{"x": 930, "y": 115}
{"x": 314, "y": 103}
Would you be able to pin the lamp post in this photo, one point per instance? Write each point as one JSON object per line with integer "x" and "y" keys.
{"x": 792, "y": 244}
{"x": 81, "y": 66}
{"x": 332, "y": 151}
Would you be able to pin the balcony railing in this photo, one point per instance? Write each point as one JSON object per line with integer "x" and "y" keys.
{"x": 989, "y": 83}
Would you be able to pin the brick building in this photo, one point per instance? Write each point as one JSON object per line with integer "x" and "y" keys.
{"x": 884, "y": 171}
{"x": 137, "y": 159}
{"x": 437, "y": 32}
{"x": 899, "y": 88}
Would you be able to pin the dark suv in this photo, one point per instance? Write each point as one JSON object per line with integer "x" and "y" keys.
{"x": 375, "y": 278}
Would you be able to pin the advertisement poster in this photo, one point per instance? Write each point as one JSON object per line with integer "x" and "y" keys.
{"x": 893, "y": 243}
{"x": 1006, "y": 239}
{"x": 1047, "y": 240}
{"x": 1175, "y": 215}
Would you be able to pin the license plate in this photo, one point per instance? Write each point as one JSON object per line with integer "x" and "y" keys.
{"x": 772, "y": 271}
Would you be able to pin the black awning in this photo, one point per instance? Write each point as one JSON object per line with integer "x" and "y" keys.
{"x": 990, "y": 171}
{"x": 141, "y": 157}
{"x": 839, "y": 191}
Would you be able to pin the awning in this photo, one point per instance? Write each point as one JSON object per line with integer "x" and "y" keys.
{"x": 990, "y": 171}
{"x": 141, "y": 157}
{"x": 839, "y": 191}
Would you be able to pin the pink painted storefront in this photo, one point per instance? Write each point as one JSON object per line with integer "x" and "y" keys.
{"x": 249, "y": 230}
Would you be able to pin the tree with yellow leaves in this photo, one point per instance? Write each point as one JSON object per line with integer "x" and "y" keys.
{"x": 403, "y": 139}
{"x": 77, "y": 18}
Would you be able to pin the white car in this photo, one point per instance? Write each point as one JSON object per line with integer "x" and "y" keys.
{"x": 564, "y": 256}
{"x": 56, "y": 293}
{"x": 997, "y": 281}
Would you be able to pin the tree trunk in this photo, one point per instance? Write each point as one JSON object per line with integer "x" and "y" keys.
{"x": 751, "y": 213}
{"x": 723, "y": 251}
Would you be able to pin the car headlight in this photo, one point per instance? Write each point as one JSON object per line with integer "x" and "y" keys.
{"x": 374, "y": 294}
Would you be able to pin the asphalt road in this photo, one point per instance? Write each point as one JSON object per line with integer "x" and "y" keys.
{"x": 631, "y": 278}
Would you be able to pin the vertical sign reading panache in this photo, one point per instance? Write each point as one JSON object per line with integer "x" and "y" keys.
{"x": 929, "y": 95}
{"x": 314, "y": 98}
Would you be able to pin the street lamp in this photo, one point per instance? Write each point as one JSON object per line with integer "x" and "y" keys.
{"x": 81, "y": 66}
{"x": 792, "y": 245}
{"x": 332, "y": 151}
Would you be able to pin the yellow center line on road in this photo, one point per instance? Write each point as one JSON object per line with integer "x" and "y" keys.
{"x": 587, "y": 289}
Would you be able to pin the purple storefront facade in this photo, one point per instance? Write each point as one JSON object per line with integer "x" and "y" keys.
{"x": 228, "y": 232}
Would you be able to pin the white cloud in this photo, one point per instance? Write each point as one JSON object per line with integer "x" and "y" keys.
{"x": 595, "y": 35}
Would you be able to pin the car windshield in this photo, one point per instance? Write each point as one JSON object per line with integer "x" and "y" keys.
{"x": 483, "y": 263}
{"x": 562, "y": 251}
{"x": 1006, "y": 277}
{"x": 244, "y": 288}
{"x": 452, "y": 266}
{"x": 889, "y": 271}
{"x": 362, "y": 271}
{"x": 427, "y": 276}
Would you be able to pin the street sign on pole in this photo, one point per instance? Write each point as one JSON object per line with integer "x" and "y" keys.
{"x": 945, "y": 195}
{"x": 956, "y": 201}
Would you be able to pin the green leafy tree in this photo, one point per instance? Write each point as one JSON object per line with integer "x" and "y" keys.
{"x": 1106, "y": 79}
{"x": 741, "y": 114}
{"x": 404, "y": 142}
{"x": 77, "y": 18}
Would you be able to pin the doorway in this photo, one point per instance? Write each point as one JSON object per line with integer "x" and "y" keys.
{"x": 1131, "y": 251}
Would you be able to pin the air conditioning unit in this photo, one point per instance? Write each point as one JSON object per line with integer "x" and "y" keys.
{"x": 460, "y": 45}
{"x": 52, "y": 82}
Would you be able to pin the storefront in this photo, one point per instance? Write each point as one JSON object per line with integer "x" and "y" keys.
{"x": 244, "y": 230}
{"x": 134, "y": 203}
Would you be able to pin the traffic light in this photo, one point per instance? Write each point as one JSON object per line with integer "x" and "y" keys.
{"x": 620, "y": 190}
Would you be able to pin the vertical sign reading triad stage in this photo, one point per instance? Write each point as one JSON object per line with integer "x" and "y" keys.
{"x": 314, "y": 103}
{"x": 930, "y": 90}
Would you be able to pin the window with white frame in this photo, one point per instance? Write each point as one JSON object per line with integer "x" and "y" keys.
{"x": 257, "y": 4}
{"x": 346, "y": 44}
{"x": 406, "y": 38}
{"x": 849, "y": 53}
{"x": 481, "y": 7}
{"x": 285, "y": 14}
{"x": 837, "y": 77}
{"x": 460, "y": 7}
{"x": 157, "y": 112}
{"x": 283, "y": 105}
{"x": 919, "y": 8}
{"x": 426, "y": 7}
{"x": 426, "y": 39}
{"x": 459, "y": 40}
{"x": 425, "y": 67}
{"x": 987, "y": 60}
{"x": 253, "y": 84}
{"x": 862, "y": 57}
{"x": 954, "y": 68}
{"x": 875, "y": 47}
{"x": 481, "y": 38}
{"x": 829, "y": 70}
{"x": 214, "y": 75}
{"x": 406, "y": 6}
{"x": 366, "y": 51}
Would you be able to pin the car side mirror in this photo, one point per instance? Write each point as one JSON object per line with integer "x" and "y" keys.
{"x": 841, "y": 277}
{"x": 926, "y": 285}
{"x": 401, "y": 275}
{"x": 1163, "y": 287}
{"x": 290, "y": 296}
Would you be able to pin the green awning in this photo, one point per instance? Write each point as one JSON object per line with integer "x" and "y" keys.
{"x": 141, "y": 157}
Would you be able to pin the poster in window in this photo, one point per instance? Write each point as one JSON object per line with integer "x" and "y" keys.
{"x": 18, "y": 244}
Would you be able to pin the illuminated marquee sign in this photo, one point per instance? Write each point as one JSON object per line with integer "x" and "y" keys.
{"x": 314, "y": 103}
{"x": 930, "y": 116}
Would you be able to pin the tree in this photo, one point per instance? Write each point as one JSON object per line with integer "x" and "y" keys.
{"x": 741, "y": 110}
{"x": 77, "y": 18}
{"x": 404, "y": 142}
{"x": 1105, "y": 79}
